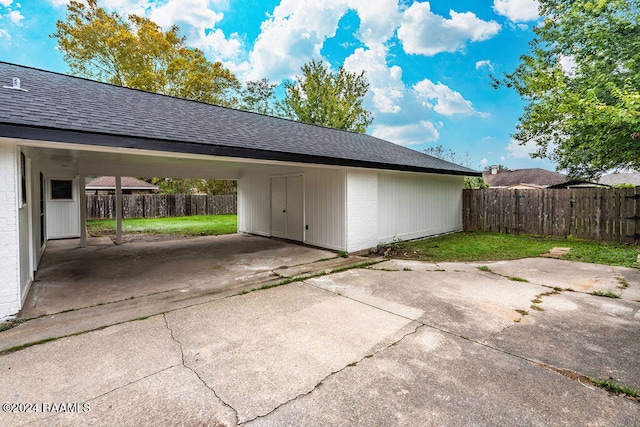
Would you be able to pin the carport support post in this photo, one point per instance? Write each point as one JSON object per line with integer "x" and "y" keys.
{"x": 83, "y": 213}
{"x": 118, "y": 210}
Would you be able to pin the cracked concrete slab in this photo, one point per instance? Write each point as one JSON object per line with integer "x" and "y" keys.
{"x": 425, "y": 344}
{"x": 174, "y": 396}
{"x": 579, "y": 276}
{"x": 596, "y": 336}
{"x": 84, "y": 367}
{"x": 266, "y": 348}
{"x": 629, "y": 283}
{"x": 473, "y": 304}
{"x": 411, "y": 265}
{"x": 431, "y": 378}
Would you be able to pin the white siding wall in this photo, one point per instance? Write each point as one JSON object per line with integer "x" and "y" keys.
{"x": 254, "y": 204}
{"x": 362, "y": 210}
{"x": 9, "y": 262}
{"x": 324, "y": 208}
{"x": 324, "y": 204}
{"x": 417, "y": 205}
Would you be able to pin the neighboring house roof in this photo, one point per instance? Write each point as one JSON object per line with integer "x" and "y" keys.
{"x": 74, "y": 110}
{"x": 578, "y": 184}
{"x": 127, "y": 182}
{"x": 526, "y": 187}
{"x": 621, "y": 178}
{"x": 534, "y": 177}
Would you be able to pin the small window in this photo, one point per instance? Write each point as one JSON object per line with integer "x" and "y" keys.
{"x": 61, "y": 189}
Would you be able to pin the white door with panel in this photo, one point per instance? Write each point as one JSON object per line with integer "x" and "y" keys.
{"x": 287, "y": 207}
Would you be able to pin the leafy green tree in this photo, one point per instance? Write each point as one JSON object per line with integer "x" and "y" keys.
{"x": 135, "y": 52}
{"x": 475, "y": 183}
{"x": 328, "y": 99}
{"x": 193, "y": 185}
{"x": 581, "y": 82}
{"x": 259, "y": 97}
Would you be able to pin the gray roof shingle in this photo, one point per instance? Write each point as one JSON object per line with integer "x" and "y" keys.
{"x": 127, "y": 182}
{"x": 58, "y": 107}
{"x": 536, "y": 176}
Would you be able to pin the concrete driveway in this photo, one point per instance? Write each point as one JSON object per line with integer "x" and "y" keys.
{"x": 397, "y": 343}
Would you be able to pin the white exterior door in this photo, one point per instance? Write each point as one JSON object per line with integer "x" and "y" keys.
{"x": 287, "y": 207}
{"x": 279, "y": 207}
{"x": 63, "y": 208}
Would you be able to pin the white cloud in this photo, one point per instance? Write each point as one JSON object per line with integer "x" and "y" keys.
{"x": 518, "y": 151}
{"x": 484, "y": 162}
{"x": 186, "y": 13}
{"x": 16, "y": 17}
{"x": 411, "y": 134}
{"x": 423, "y": 32}
{"x": 197, "y": 19}
{"x": 293, "y": 33}
{"x": 296, "y": 31}
{"x": 485, "y": 63}
{"x": 4, "y": 34}
{"x": 378, "y": 19}
{"x": 6, "y": 3}
{"x": 447, "y": 101}
{"x": 517, "y": 10}
{"x": 57, "y": 3}
{"x": 386, "y": 86}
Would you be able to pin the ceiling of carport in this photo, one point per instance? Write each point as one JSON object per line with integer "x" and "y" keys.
{"x": 96, "y": 161}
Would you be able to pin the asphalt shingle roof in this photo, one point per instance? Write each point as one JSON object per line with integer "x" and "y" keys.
{"x": 621, "y": 178}
{"x": 536, "y": 176}
{"x": 70, "y": 109}
{"x": 126, "y": 182}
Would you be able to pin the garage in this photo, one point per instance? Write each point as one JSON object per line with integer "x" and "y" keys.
{"x": 322, "y": 187}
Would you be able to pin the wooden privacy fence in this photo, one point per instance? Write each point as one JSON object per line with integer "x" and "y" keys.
{"x": 605, "y": 214}
{"x": 160, "y": 205}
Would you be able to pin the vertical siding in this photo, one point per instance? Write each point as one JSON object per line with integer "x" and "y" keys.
{"x": 9, "y": 262}
{"x": 362, "y": 209}
{"x": 254, "y": 204}
{"x": 324, "y": 208}
{"x": 417, "y": 205}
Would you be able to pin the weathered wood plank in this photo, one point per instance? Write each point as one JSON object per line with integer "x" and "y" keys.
{"x": 160, "y": 205}
{"x": 590, "y": 213}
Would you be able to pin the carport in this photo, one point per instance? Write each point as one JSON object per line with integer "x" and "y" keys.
{"x": 74, "y": 278}
{"x": 323, "y": 187}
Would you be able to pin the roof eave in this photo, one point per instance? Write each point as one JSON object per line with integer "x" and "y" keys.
{"x": 10, "y": 130}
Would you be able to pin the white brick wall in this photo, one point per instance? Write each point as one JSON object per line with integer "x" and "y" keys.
{"x": 9, "y": 283}
{"x": 362, "y": 210}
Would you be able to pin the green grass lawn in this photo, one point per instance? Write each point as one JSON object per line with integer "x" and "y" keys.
{"x": 484, "y": 246}
{"x": 200, "y": 225}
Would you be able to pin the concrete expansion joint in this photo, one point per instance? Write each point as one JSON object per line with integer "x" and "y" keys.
{"x": 350, "y": 365}
{"x": 184, "y": 364}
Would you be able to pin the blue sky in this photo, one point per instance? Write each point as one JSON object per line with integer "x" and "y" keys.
{"x": 428, "y": 63}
